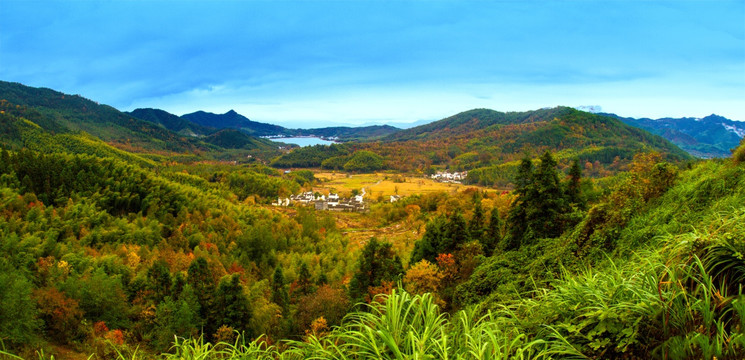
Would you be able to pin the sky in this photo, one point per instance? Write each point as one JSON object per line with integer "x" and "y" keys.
{"x": 318, "y": 63}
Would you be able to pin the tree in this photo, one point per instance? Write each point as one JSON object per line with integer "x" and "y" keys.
{"x": 429, "y": 246}
{"x": 279, "y": 292}
{"x": 476, "y": 225}
{"x": 518, "y": 216}
{"x": 304, "y": 282}
{"x": 377, "y": 263}
{"x": 201, "y": 281}
{"x": 61, "y": 314}
{"x": 327, "y": 302}
{"x": 541, "y": 205}
{"x": 456, "y": 233}
{"x": 18, "y": 322}
{"x": 232, "y": 304}
{"x": 573, "y": 188}
{"x": 494, "y": 232}
{"x": 159, "y": 279}
{"x": 549, "y": 205}
{"x": 423, "y": 277}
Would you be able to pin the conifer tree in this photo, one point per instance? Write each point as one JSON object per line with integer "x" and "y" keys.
{"x": 518, "y": 216}
{"x": 304, "y": 282}
{"x": 540, "y": 209}
{"x": 456, "y": 233}
{"x": 476, "y": 225}
{"x": 279, "y": 292}
{"x": 548, "y": 204}
{"x": 494, "y": 234}
{"x": 574, "y": 191}
{"x": 377, "y": 263}
{"x": 232, "y": 304}
{"x": 159, "y": 279}
{"x": 430, "y": 244}
{"x": 200, "y": 280}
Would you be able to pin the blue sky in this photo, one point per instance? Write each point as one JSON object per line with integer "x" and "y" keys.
{"x": 312, "y": 63}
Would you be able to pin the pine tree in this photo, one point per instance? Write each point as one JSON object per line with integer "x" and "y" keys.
{"x": 549, "y": 205}
{"x": 279, "y": 292}
{"x": 494, "y": 232}
{"x": 456, "y": 233}
{"x": 429, "y": 246}
{"x": 476, "y": 225}
{"x": 518, "y": 215}
{"x": 232, "y": 304}
{"x": 159, "y": 279}
{"x": 200, "y": 280}
{"x": 304, "y": 282}
{"x": 377, "y": 263}
{"x": 573, "y": 188}
{"x": 540, "y": 209}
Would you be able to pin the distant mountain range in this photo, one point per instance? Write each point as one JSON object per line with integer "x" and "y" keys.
{"x": 489, "y": 143}
{"x": 469, "y": 140}
{"x": 234, "y": 120}
{"x": 48, "y": 120}
{"x": 708, "y": 137}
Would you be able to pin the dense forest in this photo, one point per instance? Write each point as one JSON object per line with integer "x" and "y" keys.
{"x": 104, "y": 256}
{"x": 612, "y": 243}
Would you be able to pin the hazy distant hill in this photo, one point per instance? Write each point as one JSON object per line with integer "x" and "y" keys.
{"x": 233, "y": 120}
{"x": 346, "y": 133}
{"x": 172, "y": 122}
{"x": 711, "y": 136}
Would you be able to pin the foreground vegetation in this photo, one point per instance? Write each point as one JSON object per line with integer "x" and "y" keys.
{"x": 652, "y": 269}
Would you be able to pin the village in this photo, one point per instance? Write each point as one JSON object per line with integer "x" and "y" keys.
{"x": 448, "y": 177}
{"x": 332, "y": 202}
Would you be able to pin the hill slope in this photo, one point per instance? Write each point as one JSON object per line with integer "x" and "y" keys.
{"x": 232, "y": 119}
{"x": 47, "y": 120}
{"x": 56, "y": 112}
{"x": 346, "y": 133}
{"x": 171, "y": 122}
{"x": 487, "y": 139}
{"x": 711, "y": 136}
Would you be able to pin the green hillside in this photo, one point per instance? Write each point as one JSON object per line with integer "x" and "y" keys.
{"x": 171, "y": 122}
{"x": 485, "y": 141}
{"x": 46, "y": 120}
{"x": 57, "y": 112}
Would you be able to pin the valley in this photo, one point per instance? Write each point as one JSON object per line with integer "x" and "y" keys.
{"x": 548, "y": 234}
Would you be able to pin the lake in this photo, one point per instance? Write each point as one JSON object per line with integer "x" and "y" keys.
{"x": 303, "y": 141}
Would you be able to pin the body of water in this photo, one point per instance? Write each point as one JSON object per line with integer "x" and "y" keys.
{"x": 303, "y": 141}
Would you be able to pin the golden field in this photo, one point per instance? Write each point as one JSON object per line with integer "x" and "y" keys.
{"x": 381, "y": 184}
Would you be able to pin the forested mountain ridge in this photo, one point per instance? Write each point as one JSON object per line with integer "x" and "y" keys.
{"x": 485, "y": 140}
{"x": 346, "y": 133}
{"x": 172, "y": 122}
{"x": 469, "y": 121}
{"x": 62, "y": 113}
{"x": 232, "y": 119}
{"x": 59, "y": 117}
{"x": 707, "y": 137}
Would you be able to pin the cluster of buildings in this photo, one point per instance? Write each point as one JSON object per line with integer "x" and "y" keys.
{"x": 445, "y": 176}
{"x": 321, "y": 202}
